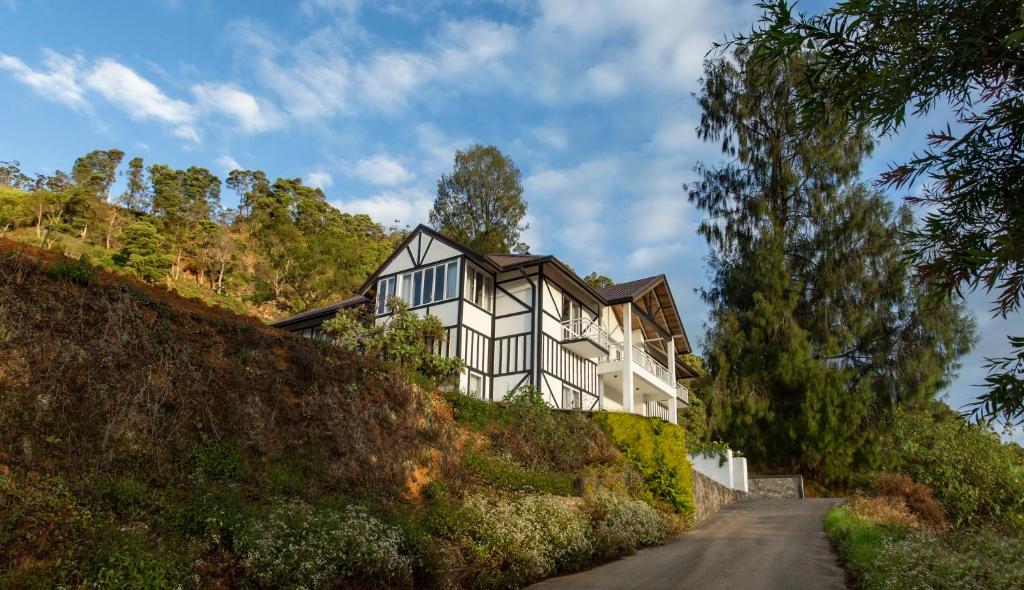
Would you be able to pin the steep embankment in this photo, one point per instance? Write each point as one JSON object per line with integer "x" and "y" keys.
{"x": 147, "y": 440}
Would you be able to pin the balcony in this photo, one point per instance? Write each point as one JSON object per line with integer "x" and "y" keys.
{"x": 682, "y": 394}
{"x": 653, "y": 380}
{"x": 585, "y": 337}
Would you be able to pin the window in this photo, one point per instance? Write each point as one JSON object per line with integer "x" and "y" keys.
{"x": 572, "y": 399}
{"x": 479, "y": 288}
{"x": 476, "y": 386}
{"x": 426, "y": 285}
{"x": 385, "y": 291}
{"x": 571, "y": 309}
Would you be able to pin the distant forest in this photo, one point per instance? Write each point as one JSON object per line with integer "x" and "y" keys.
{"x": 283, "y": 249}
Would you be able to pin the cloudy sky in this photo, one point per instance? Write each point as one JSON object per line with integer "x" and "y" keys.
{"x": 369, "y": 101}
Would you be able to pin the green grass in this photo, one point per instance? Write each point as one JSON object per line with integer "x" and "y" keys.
{"x": 886, "y": 558}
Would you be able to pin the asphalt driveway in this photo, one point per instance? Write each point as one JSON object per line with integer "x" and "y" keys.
{"x": 758, "y": 544}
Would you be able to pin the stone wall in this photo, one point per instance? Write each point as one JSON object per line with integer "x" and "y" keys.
{"x": 709, "y": 496}
{"x": 776, "y": 486}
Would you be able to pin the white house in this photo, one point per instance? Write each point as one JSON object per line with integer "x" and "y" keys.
{"x": 529, "y": 319}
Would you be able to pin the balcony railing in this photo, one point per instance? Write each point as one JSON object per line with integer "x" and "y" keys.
{"x": 644, "y": 359}
{"x": 585, "y": 328}
{"x": 682, "y": 393}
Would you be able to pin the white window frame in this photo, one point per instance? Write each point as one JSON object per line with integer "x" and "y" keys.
{"x": 572, "y": 398}
{"x": 479, "y": 288}
{"x": 479, "y": 380}
{"x": 414, "y": 286}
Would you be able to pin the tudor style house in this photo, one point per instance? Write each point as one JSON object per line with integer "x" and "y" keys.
{"x": 529, "y": 319}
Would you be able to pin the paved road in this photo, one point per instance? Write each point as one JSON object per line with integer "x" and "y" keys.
{"x": 759, "y": 544}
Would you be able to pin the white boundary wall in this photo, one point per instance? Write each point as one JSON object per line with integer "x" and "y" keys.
{"x": 731, "y": 473}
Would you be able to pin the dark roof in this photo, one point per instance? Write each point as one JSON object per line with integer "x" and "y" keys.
{"x": 507, "y": 260}
{"x": 326, "y": 310}
{"x": 627, "y": 291}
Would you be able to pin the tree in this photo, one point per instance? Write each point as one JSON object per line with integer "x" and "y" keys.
{"x": 598, "y": 281}
{"x": 136, "y": 195}
{"x": 95, "y": 171}
{"x": 877, "y": 59}
{"x": 142, "y": 253}
{"x": 480, "y": 204}
{"x": 815, "y": 326}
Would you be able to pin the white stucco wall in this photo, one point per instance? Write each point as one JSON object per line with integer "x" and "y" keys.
{"x": 731, "y": 473}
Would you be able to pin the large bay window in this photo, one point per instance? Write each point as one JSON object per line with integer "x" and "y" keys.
{"x": 422, "y": 286}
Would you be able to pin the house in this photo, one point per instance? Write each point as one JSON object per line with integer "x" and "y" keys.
{"x": 529, "y": 319}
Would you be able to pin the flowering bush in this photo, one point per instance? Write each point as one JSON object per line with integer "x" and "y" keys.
{"x": 622, "y": 525}
{"x": 298, "y": 546}
{"x": 514, "y": 542}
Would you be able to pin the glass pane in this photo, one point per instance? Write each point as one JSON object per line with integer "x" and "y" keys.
{"x": 478, "y": 289}
{"x": 428, "y": 285}
{"x": 391, "y": 286}
{"x": 380, "y": 297}
{"x": 453, "y": 280}
{"x": 406, "y": 288}
{"x": 417, "y": 287}
{"x": 439, "y": 283}
{"x": 488, "y": 293}
{"x": 565, "y": 307}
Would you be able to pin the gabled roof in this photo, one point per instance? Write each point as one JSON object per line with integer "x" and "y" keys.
{"x": 321, "y": 311}
{"x": 470, "y": 253}
{"x": 508, "y": 260}
{"x": 623, "y": 292}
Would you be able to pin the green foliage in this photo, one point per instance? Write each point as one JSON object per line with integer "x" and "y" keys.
{"x": 142, "y": 253}
{"x": 622, "y": 524}
{"x": 598, "y": 281}
{"x": 817, "y": 327}
{"x": 513, "y": 542}
{"x": 872, "y": 61}
{"x": 127, "y": 559}
{"x": 406, "y": 339}
{"x": 886, "y": 558}
{"x": 480, "y": 204}
{"x": 502, "y": 471}
{"x": 658, "y": 450}
{"x": 76, "y": 272}
{"x": 298, "y": 546}
{"x": 975, "y": 477}
{"x": 217, "y": 460}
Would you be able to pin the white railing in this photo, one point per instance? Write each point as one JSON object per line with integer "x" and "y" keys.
{"x": 579, "y": 328}
{"x": 655, "y": 410}
{"x": 682, "y": 393}
{"x": 644, "y": 359}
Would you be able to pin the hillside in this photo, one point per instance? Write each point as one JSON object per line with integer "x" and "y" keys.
{"x": 148, "y": 440}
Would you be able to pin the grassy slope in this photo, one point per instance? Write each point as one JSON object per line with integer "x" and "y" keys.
{"x": 148, "y": 440}
{"x": 885, "y": 557}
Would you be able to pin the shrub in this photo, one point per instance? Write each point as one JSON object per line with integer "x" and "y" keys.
{"x": 974, "y": 476}
{"x": 503, "y": 472}
{"x": 297, "y": 546}
{"x": 76, "y": 272}
{"x": 513, "y": 542}
{"x": 658, "y": 450}
{"x": 622, "y": 525}
{"x": 884, "y": 510}
{"x": 917, "y": 497}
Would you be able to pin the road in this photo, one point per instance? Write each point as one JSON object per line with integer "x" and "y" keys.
{"x": 753, "y": 545}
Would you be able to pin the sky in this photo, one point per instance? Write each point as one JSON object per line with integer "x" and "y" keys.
{"x": 593, "y": 100}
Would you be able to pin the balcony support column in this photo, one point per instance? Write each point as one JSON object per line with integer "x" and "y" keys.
{"x": 627, "y": 357}
{"x": 673, "y": 404}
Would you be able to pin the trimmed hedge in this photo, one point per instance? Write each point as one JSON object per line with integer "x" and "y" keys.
{"x": 658, "y": 450}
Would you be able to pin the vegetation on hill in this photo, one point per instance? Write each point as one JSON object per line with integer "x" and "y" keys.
{"x": 283, "y": 249}
{"x": 148, "y": 440}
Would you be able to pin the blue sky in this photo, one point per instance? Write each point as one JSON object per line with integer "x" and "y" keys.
{"x": 369, "y": 101}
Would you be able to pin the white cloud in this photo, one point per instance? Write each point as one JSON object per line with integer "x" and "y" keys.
{"x": 382, "y": 170}
{"x": 59, "y": 81}
{"x": 653, "y": 257}
{"x": 140, "y": 98}
{"x": 349, "y": 7}
{"x": 606, "y": 80}
{"x": 389, "y": 78}
{"x": 251, "y": 114}
{"x": 404, "y": 207}
{"x": 320, "y": 179}
{"x": 551, "y": 136}
{"x": 678, "y": 135}
{"x": 227, "y": 164}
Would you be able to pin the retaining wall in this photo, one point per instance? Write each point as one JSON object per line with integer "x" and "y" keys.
{"x": 776, "y": 486}
{"x": 709, "y": 496}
